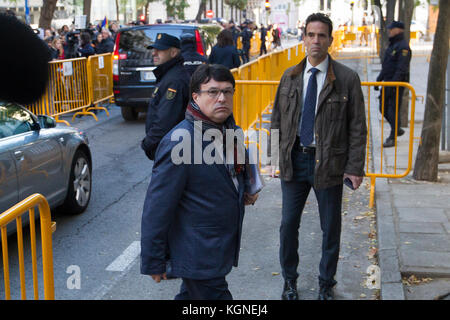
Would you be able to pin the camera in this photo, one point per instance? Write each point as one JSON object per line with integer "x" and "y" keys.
{"x": 72, "y": 44}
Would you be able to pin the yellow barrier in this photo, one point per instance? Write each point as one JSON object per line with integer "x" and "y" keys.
{"x": 76, "y": 85}
{"x": 46, "y": 226}
{"x": 250, "y": 103}
{"x": 100, "y": 83}
{"x": 255, "y": 43}
{"x": 374, "y": 175}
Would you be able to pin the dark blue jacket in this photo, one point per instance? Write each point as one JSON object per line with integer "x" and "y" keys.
{"x": 86, "y": 51}
{"x": 246, "y": 35}
{"x": 227, "y": 56}
{"x": 395, "y": 66}
{"x": 106, "y": 46}
{"x": 193, "y": 213}
{"x": 192, "y": 59}
{"x": 168, "y": 103}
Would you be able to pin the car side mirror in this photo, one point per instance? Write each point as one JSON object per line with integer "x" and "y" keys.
{"x": 46, "y": 121}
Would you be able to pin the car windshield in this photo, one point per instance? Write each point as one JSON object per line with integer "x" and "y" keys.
{"x": 14, "y": 120}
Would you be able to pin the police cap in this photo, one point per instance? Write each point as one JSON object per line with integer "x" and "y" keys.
{"x": 165, "y": 41}
{"x": 396, "y": 24}
{"x": 187, "y": 38}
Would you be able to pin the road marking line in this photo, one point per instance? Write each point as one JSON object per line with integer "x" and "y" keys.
{"x": 126, "y": 258}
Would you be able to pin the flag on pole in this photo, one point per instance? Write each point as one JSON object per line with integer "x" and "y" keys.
{"x": 105, "y": 23}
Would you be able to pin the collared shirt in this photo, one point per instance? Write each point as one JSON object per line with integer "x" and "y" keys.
{"x": 320, "y": 78}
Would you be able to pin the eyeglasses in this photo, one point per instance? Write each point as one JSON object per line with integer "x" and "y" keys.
{"x": 214, "y": 93}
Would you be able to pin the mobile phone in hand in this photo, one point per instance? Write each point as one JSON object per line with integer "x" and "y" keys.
{"x": 349, "y": 183}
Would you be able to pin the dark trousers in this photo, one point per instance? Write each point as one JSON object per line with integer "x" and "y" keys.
{"x": 262, "y": 49}
{"x": 211, "y": 289}
{"x": 389, "y": 107}
{"x": 295, "y": 194}
{"x": 245, "y": 53}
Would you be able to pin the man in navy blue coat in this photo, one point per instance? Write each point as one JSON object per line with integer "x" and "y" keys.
{"x": 194, "y": 208}
{"x": 171, "y": 94}
{"x": 395, "y": 67}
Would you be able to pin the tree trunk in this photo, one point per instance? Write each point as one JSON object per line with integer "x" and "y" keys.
{"x": 201, "y": 10}
{"x": 405, "y": 14}
{"x": 146, "y": 12}
{"x": 390, "y": 12}
{"x": 87, "y": 11}
{"x": 117, "y": 10}
{"x": 382, "y": 31}
{"x": 47, "y": 12}
{"x": 426, "y": 167}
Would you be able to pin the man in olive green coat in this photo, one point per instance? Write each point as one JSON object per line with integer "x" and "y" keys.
{"x": 320, "y": 114}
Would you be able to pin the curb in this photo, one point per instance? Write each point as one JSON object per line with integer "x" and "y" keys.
{"x": 391, "y": 280}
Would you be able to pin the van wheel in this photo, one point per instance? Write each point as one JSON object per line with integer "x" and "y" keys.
{"x": 129, "y": 113}
{"x": 80, "y": 185}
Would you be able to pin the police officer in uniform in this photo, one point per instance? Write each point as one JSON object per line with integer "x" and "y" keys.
{"x": 192, "y": 59}
{"x": 246, "y": 35}
{"x": 395, "y": 67}
{"x": 171, "y": 95}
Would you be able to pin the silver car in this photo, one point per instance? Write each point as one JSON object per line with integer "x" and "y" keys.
{"x": 38, "y": 157}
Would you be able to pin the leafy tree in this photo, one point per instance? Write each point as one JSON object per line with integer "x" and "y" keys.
{"x": 427, "y": 159}
{"x": 238, "y": 4}
{"x": 175, "y": 8}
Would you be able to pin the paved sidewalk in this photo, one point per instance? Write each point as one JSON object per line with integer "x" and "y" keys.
{"x": 413, "y": 217}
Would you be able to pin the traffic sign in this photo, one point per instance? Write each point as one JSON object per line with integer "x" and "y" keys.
{"x": 209, "y": 14}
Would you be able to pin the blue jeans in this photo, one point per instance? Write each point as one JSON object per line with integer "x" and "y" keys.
{"x": 295, "y": 194}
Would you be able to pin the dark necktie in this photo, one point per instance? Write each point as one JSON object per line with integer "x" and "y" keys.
{"x": 309, "y": 110}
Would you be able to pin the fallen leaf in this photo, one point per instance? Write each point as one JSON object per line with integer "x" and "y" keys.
{"x": 413, "y": 280}
{"x": 275, "y": 273}
{"x": 372, "y": 253}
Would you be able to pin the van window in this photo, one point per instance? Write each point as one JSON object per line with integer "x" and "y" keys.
{"x": 134, "y": 42}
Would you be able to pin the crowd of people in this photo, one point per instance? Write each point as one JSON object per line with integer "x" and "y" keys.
{"x": 66, "y": 43}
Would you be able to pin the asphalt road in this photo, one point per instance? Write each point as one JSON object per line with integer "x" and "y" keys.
{"x": 96, "y": 254}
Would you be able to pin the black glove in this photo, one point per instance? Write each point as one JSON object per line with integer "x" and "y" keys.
{"x": 148, "y": 151}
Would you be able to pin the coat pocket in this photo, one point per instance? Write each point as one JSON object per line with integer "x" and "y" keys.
{"x": 338, "y": 159}
{"x": 337, "y": 107}
{"x": 208, "y": 246}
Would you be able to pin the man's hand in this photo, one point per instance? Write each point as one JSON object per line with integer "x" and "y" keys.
{"x": 157, "y": 277}
{"x": 250, "y": 199}
{"x": 356, "y": 180}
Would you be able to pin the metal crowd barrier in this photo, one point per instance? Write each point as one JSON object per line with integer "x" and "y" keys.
{"x": 382, "y": 169}
{"x": 47, "y": 227}
{"x": 255, "y": 98}
{"x": 76, "y": 85}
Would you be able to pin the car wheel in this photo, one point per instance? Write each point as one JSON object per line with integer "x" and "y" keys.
{"x": 129, "y": 113}
{"x": 80, "y": 184}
